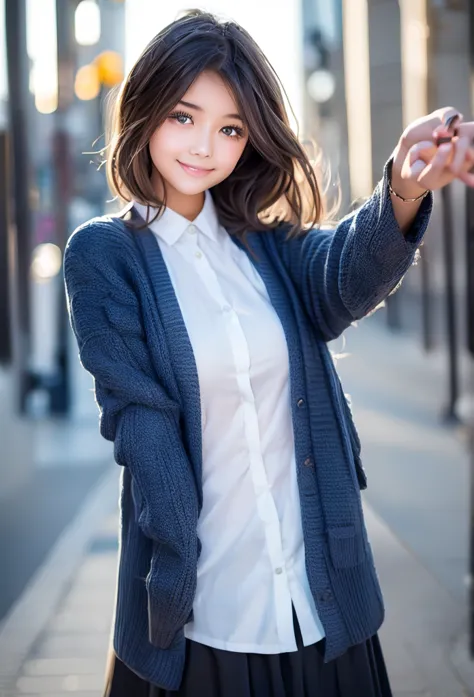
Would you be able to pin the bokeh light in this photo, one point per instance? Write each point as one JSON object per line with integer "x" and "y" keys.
{"x": 46, "y": 262}
{"x": 87, "y": 83}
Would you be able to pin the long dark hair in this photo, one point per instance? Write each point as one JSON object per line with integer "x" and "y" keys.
{"x": 274, "y": 180}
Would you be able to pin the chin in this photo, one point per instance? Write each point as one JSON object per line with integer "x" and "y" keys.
{"x": 191, "y": 188}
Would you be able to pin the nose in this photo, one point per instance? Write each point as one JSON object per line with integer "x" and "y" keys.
{"x": 202, "y": 143}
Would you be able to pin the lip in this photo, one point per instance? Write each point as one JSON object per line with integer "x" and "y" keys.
{"x": 195, "y": 171}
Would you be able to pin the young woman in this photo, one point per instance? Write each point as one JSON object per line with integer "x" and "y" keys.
{"x": 203, "y": 311}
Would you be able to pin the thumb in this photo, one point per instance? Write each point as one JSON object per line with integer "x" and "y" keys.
{"x": 425, "y": 150}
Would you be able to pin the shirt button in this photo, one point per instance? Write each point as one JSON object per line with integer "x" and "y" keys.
{"x": 279, "y": 570}
{"x": 300, "y": 403}
{"x": 192, "y": 230}
{"x": 198, "y": 254}
{"x": 227, "y": 308}
{"x": 308, "y": 462}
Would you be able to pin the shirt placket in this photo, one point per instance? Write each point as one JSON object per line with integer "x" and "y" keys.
{"x": 266, "y": 507}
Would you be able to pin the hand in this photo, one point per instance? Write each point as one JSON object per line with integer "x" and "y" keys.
{"x": 463, "y": 154}
{"x": 419, "y": 164}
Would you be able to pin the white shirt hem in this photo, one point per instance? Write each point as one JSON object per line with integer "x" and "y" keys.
{"x": 248, "y": 648}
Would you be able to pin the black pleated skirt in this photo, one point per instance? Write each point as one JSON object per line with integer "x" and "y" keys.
{"x": 209, "y": 672}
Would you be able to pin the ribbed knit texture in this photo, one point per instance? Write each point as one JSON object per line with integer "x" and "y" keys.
{"x": 132, "y": 339}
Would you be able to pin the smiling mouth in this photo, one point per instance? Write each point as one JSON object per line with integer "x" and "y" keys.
{"x": 194, "y": 170}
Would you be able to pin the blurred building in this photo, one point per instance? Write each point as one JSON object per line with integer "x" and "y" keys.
{"x": 371, "y": 67}
{"x": 59, "y": 60}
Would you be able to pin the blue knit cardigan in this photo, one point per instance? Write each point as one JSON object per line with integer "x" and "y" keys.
{"x": 133, "y": 340}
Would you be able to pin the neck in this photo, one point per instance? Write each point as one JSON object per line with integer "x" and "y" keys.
{"x": 189, "y": 206}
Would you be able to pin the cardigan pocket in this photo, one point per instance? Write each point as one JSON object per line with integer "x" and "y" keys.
{"x": 346, "y": 546}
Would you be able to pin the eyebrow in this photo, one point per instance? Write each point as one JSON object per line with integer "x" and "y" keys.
{"x": 189, "y": 105}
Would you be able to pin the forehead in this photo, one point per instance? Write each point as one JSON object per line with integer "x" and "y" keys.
{"x": 211, "y": 92}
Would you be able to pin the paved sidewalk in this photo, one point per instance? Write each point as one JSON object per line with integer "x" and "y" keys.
{"x": 417, "y": 507}
{"x": 69, "y": 658}
{"x": 417, "y": 516}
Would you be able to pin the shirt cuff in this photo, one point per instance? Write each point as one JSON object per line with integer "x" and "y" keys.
{"x": 389, "y": 238}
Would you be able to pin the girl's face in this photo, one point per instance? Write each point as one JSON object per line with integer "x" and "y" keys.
{"x": 200, "y": 142}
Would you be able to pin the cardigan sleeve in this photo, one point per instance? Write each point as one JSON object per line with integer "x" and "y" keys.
{"x": 342, "y": 274}
{"x": 140, "y": 418}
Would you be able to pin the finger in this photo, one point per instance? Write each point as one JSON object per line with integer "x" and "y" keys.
{"x": 466, "y": 175}
{"x": 425, "y": 150}
{"x": 417, "y": 169}
{"x": 467, "y": 178}
{"x": 461, "y": 148}
{"x": 446, "y": 115}
{"x": 442, "y": 135}
{"x": 434, "y": 174}
{"x": 468, "y": 164}
{"x": 469, "y": 159}
{"x": 419, "y": 156}
{"x": 469, "y": 152}
{"x": 449, "y": 127}
{"x": 466, "y": 129}
{"x": 452, "y": 121}
{"x": 423, "y": 127}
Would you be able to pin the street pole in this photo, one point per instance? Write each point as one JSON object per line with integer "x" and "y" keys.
{"x": 6, "y": 338}
{"x": 470, "y": 332}
{"x": 428, "y": 339}
{"x": 450, "y": 415}
{"x": 60, "y": 387}
{"x": 417, "y": 99}
{"x": 426, "y": 301}
{"x": 20, "y": 251}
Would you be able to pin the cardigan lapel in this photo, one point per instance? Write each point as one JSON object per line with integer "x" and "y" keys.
{"x": 328, "y": 452}
{"x": 183, "y": 363}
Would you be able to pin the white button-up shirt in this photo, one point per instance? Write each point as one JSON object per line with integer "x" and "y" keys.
{"x": 252, "y": 565}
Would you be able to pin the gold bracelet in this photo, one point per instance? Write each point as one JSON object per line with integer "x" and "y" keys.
{"x": 408, "y": 200}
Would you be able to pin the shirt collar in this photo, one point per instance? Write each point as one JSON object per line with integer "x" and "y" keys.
{"x": 170, "y": 226}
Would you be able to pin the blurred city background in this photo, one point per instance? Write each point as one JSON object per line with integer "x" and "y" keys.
{"x": 356, "y": 72}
